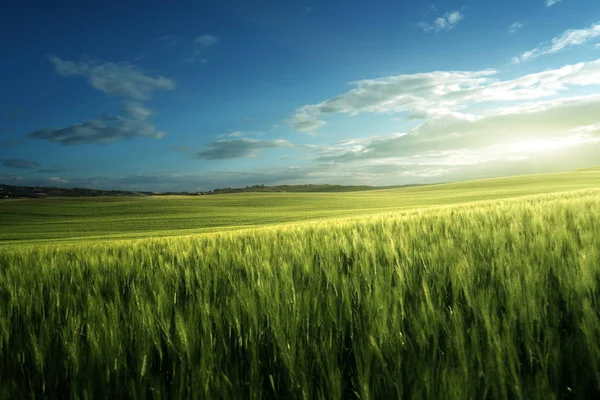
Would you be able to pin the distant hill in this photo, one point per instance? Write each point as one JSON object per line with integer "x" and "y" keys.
{"x": 306, "y": 188}
{"x": 11, "y": 191}
{"x": 589, "y": 169}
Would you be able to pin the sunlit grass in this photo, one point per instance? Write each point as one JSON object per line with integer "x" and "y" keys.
{"x": 494, "y": 299}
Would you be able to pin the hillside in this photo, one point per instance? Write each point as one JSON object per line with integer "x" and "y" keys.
{"x": 589, "y": 169}
{"x": 11, "y": 191}
{"x": 489, "y": 300}
{"x": 101, "y": 218}
{"x": 307, "y": 188}
{"x": 33, "y": 192}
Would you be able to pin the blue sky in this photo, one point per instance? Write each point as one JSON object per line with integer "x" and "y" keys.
{"x": 192, "y": 95}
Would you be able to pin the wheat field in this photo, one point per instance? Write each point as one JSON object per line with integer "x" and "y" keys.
{"x": 493, "y": 299}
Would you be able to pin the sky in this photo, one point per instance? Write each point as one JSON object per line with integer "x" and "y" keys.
{"x": 197, "y": 95}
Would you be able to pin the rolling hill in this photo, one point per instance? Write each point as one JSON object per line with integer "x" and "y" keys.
{"x": 73, "y": 219}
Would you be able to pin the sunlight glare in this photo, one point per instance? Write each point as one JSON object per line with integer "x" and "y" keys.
{"x": 546, "y": 145}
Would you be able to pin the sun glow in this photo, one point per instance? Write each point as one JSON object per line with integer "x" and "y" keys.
{"x": 546, "y": 145}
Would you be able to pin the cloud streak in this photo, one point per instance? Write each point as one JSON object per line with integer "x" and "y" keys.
{"x": 169, "y": 40}
{"x": 515, "y": 27}
{"x": 441, "y": 93}
{"x": 116, "y": 80}
{"x": 240, "y": 148}
{"x": 10, "y": 143}
{"x": 58, "y": 179}
{"x": 130, "y": 124}
{"x": 18, "y": 163}
{"x": 202, "y": 44}
{"x": 205, "y": 41}
{"x": 444, "y": 22}
{"x": 52, "y": 170}
{"x": 505, "y": 133}
{"x": 367, "y": 172}
{"x": 569, "y": 38}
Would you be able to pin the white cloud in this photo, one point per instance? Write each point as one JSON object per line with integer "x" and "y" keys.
{"x": 549, "y": 125}
{"x": 136, "y": 111}
{"x": 118, "y": 80}
{"x": 305, "y": 120}
{"x": 57, "y": 179}
{"x": 515, "y": 27}
{"x": 239, "y": 134}
{"x": 550, "y": 3}
{"x": 307, "y": 126}
{"x": 234, "y": 134}
{"x": 569, "y": 38}
{"x": 426, "y": 94}
{"x": 437, "y": 94}
{"x": 442, "y": 23}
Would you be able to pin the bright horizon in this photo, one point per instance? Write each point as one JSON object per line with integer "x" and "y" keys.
{"x": 229, "y": 94}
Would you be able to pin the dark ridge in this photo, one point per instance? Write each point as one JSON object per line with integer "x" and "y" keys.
{"x": 17, "y": 192}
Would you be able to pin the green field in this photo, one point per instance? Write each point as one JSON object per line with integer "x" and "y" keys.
{"x": 71, "y": 219}
{"x": 487, "y": 289}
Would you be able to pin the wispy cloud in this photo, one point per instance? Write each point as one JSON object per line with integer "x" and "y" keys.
{"x": 130, "y": 124}
{"x": 442, "y": 23}
{"x": 58, "y": 179}
{"x": 16, "y": 113}
{"x": 440, "y": 93}
{"x": 305, "y": 121}
{"x": 10, "y": 143}
{"x": 18, "y": 163}
{"x": 136, "y": 111}
{"x": 515, "y": 27}
{"x": 451, "y": 139}
{"x": 379, "y": 168}
{"x": 202, "y": 44}
{"x": 118, "y": 80}
{"x": 550, "y": 3}
{"x": 569, "y": 38}
{"x": 443, "y": 167}
{"x": 240, "y": 148}
{"x": 169, "y": 40}
{"x": 51, "y": 170}
{"x": 234, "y": 134}
{"x": 205, "y": 41}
